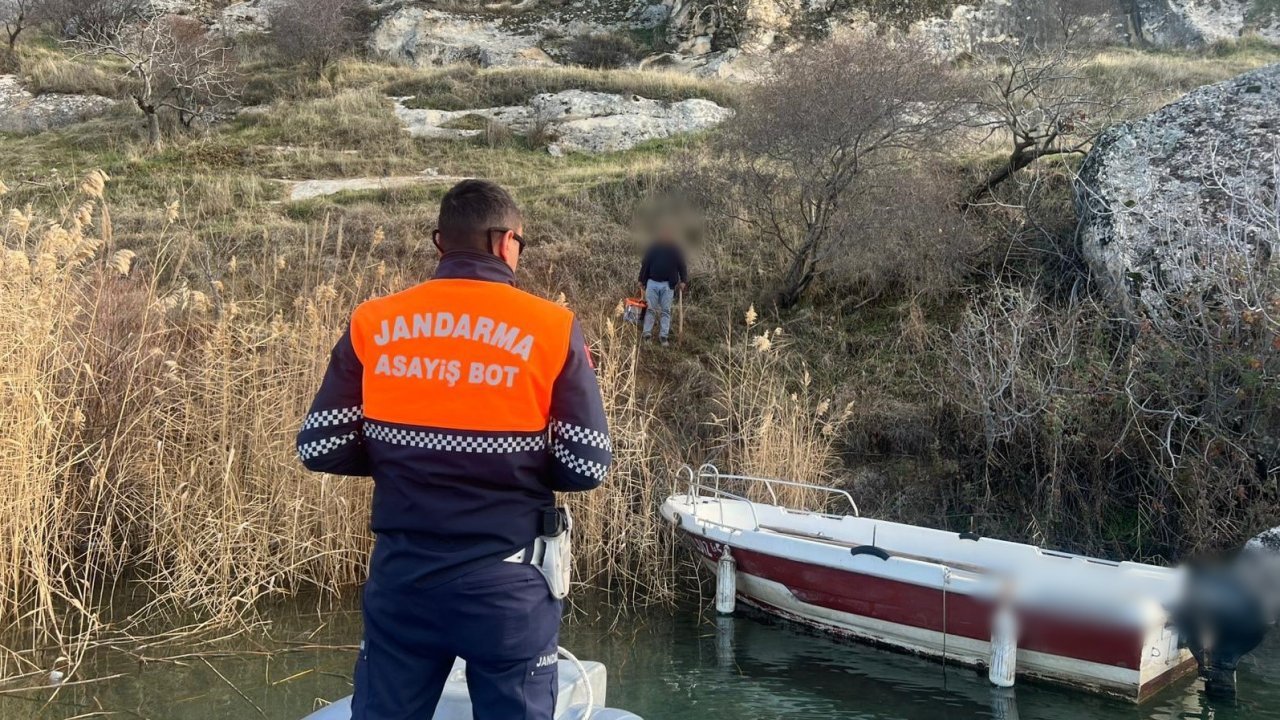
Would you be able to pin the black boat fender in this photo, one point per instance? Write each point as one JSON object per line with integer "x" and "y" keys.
{"x": 871, "y": 550}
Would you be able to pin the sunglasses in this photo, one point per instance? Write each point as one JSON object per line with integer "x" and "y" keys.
{"x": 435, "y": 236}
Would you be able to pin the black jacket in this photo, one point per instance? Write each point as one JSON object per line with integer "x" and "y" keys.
{"x": 664, "y": 263}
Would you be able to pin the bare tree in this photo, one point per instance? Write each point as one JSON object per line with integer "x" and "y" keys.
{"x": 16, "y": 16}
{"x": 1041, "y": 104}
{"x": 807, "y": 141}
{"x": 173, "y": 64}
{"x": 1134, "y": 22}
{"x": 316, "y": 32}
{"x": 86, "y": 18}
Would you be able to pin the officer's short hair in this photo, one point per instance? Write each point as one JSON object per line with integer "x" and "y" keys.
{"x": 470, "y": 209}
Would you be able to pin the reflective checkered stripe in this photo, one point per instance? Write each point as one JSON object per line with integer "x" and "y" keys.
{"x": 583, "y": 435}
{"x": 336, "y": 416}
{"x": 582, "y": 466}
{"x": 455, "y": 442}
{"x": 310, "y": 450}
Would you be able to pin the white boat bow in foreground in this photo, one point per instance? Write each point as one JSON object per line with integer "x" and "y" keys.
{"x": 581, "y": 696}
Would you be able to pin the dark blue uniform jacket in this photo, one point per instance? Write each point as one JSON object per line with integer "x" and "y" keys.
{"x": 470, "y": 488}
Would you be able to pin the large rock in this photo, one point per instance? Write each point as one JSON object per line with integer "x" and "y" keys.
{"x": 247, "y": 17}
{"x": 1196, "y": 23}
{"x": 698, "y": 26}
{"x": 1165, "y": 201}
{"x": 22, "y": 112}
{"x": 422, "y": 38}
{"x": 594, "y": 122}
{"x": 1268, "y": 541}
{"x": 957, "y": 28}
{"x": 576, "y": 120}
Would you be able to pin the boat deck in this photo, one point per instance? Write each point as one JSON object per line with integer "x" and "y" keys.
{"x": 818, "y": 537}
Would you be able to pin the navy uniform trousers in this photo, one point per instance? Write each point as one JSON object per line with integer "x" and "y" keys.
{"x": 500, "y": 618}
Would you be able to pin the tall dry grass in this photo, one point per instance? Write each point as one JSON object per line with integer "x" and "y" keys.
{"x": 768, "y": 426}
{"x": 147, "y": 469}
{"x": 147, "y": 457}
{"x": 621, "y": 542}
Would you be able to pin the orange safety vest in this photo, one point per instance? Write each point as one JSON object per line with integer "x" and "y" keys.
{"x": 492, "y": 351}
{"x": 470, "y": 403}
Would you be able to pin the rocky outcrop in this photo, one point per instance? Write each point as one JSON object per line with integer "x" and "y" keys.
{"x": 246, "y": 17}
{"x": 574, "y": 120}
{"x": 594, "y": 122}
{"x": 1194, "y": 24}
{"x": 1175, "y": 203}
{"x": 422, "y": 38}
{"x": 299, "y": 190}
{"x": 22, "y": 112}
{"x": 699, "y": 27}
{"x": 516, "y": 33}
{"x": 1268, "y": 541}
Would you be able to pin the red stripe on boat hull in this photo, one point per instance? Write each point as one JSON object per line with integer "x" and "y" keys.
{"x": 922, "y": 607}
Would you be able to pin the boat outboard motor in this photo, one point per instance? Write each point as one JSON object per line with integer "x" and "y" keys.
{"x": 1226, "y": 611}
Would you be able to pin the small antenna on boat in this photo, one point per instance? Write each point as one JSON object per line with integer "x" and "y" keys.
{"x": 873, "y": 534}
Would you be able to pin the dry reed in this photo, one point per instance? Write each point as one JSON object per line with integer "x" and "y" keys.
{"x": 766, "y": 429}
{"x": 148, "y": 466}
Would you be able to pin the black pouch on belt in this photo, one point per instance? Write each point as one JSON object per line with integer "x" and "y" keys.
{"x": 554, "y": 522}
{"x": 557, "y": 556}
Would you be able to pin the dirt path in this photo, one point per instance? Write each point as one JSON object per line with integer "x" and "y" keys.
{"x": 299, "y": 190}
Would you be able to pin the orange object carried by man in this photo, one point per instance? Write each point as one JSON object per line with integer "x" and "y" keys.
{"x": 633, "y": 310}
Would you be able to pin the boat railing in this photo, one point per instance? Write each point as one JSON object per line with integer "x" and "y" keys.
{"x": 707, "y": 479}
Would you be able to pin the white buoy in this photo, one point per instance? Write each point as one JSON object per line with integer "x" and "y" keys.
{"x": 1004, "y": 647}
{"x": 726, "y": 583}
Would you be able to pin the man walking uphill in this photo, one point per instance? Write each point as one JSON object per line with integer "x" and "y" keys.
{"x": 468, "y": 402}
{"x": 662, "y": 274}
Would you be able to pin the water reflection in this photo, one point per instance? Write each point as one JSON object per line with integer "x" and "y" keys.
{"x": 686, "y": 666}
{"x": 745, "y": 668}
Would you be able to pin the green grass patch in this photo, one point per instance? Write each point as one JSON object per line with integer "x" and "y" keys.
{"x": 470, "y": 121}
{"x": 464, "y": 88}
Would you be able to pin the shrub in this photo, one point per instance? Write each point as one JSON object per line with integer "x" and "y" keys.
{"x": 81, "y": 18}
{"x": 316, "y": 32}
{"x": 800, "y": 154}
{"x": 604, "y": 51}
{"x": 922, "y": 243}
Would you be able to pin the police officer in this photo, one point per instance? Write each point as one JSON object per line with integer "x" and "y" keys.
{"x": 469, "y": 402}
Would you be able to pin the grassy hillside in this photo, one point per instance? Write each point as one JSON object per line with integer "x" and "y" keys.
{"x": 167, "y": 326}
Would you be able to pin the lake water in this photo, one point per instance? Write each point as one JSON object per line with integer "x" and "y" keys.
{"x": 664, "y": 666}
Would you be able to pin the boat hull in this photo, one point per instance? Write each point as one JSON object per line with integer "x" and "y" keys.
{"x": 1120, "y": 661}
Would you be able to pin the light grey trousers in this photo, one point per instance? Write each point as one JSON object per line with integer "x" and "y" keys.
{"x": 659, "y": 295}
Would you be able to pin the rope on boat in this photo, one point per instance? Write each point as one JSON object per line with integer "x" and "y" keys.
{"x": 582, "y": 673}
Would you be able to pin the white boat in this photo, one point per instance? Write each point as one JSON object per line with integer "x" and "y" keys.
{"x": 1088, "y": 623}
{"x": 581, "y": 697}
